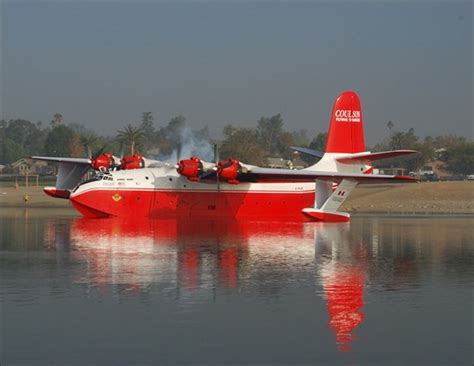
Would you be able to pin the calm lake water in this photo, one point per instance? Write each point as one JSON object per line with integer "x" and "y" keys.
{"x": 112, "y": 292}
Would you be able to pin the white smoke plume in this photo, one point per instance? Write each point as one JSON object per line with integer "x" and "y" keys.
{"x": 191, "y": 145}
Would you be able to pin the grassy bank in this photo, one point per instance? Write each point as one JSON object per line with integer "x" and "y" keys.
{"x": 420, "y": 198}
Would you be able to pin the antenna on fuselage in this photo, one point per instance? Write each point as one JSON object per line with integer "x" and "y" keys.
{"x": 179, "y": 151}
{"x": 216, "y": 161}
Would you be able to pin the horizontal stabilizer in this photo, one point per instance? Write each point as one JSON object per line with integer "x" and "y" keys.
{"x": 368, "y": 156}
{"x": 307, "y": 151}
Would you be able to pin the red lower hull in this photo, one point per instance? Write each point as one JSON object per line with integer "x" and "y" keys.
{"x": 170, "y": 204}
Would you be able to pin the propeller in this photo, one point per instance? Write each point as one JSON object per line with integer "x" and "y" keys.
{"x": 121, "y": 150}
{"x": 216, "y": 154}
{"x": 99, "y": 160}
{"x": 98, "y": 153}
{"x": 89, "y": 152}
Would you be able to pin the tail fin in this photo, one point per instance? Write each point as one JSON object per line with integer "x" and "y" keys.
{"x": 346, "y": 129}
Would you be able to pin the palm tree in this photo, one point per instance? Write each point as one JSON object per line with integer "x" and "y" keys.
{"x": 57, "y": 119}
{"x": 88, "y": 141}
{"x": 131, "y": 135}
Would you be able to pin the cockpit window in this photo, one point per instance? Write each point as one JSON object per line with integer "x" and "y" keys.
{"x": 98, "y": 176}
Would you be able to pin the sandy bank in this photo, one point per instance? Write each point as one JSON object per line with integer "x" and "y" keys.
{"x": 416, "y": 198}
{"x": 11, "y": 197}
{"x": 420, "y": 198}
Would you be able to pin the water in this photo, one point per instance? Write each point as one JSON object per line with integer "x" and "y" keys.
{"x": 113, "y": 292}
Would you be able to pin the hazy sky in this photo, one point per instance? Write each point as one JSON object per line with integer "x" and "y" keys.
{"x": 218, "y": 62}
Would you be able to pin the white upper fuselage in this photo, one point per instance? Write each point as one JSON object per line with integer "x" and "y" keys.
{"x": 167, "y": 179}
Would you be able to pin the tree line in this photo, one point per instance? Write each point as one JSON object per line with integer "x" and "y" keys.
{"x": 253, "y": 145}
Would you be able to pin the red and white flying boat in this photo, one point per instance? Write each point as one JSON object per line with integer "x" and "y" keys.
{"x": 134, "y": 186}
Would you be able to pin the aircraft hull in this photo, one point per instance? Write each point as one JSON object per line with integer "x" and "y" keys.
{"x": 163, "y": 204}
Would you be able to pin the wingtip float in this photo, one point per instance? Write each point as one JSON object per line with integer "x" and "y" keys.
{"x": 139, "y": 187}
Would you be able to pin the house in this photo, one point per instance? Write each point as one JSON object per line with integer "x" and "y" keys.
{"x": 278, "y": 163}
{"x": 281, "y": 163}
{"x": 27, "y": 166}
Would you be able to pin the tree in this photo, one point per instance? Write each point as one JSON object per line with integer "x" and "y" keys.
{"x": 57, "y": 120}
{"x": 169, "y": 137}
{"x": 108, "y": 144}
{"x": 319, "y": 142}
{"x": 269, "y": 130}
{"x": 401, "y": 140}
{"x": 76, "y": 147}
{"x": 10, "y": 151}
{"x": 202, "y": 134}
{"x": 390, "y": 125}
{"x": 131, "y": 135}
{"x": 242, "y": 144}
{"x": 147, "y": 124}
{"x": 148, "y": 129}
{"x": 445, "y": 141}
{"x": 459, "y": 158}
{"x": 60, "y": 141}
{"x": 229, "y": 130}
{"x": 283, "y": 144}
{"x": 89, "y": 142}
{"x": 174, "y": 128}
{"x": 26, "y": 134}
{"x": 300, "y": 138}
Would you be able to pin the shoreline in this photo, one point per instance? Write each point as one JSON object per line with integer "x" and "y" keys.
{"x": 420, "y": 199}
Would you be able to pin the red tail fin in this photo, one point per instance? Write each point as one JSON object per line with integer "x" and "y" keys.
{"x": 346, "y": 130}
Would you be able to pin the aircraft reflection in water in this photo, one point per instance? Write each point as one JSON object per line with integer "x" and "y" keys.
{"x": 342, "y": 275}
{"x": 202, "y": 256}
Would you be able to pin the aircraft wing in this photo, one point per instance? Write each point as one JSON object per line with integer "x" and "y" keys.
{"x": 368, "y": 156}
{"x": 63, "y": 160}
{"x": 70, "y": 171}
{"x": 310, "y": 175}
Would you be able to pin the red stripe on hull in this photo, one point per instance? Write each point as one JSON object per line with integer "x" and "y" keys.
{"x": 159, "y": 204}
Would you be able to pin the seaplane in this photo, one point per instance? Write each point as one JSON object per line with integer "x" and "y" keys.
{"x": 138, "y": 187}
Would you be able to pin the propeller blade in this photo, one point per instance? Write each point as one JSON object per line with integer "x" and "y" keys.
{"x": 101, "y": 150}
{"x": 122, "y": 150}
{"x": 226, "y": 165}
{"x": 216, "y": 154}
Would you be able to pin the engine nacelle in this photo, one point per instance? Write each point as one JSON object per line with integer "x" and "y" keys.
{"x": 104, "y": 160}
{"x": 190, "y": 168}
{"x": 132, "y": 162}
{"x": 229, "y": 170}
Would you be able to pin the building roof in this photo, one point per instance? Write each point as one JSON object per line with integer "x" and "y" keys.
{"x": 29, "y": 162}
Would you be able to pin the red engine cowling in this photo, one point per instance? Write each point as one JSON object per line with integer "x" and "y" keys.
{"x": 104, "y": 160}
{"x": 229, "y": 170}
{"x": 190, "y": 168}
{"x": 132, "y": 162}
